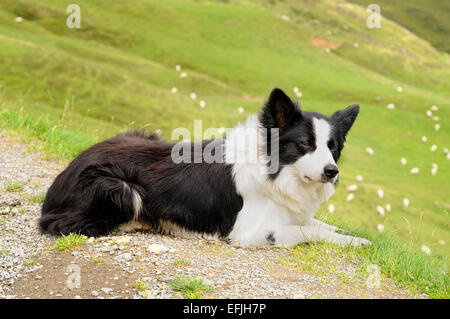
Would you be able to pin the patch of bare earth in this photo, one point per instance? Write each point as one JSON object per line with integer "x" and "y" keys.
{"x": 108, "y": 267}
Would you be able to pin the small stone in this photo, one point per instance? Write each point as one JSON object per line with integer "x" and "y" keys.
{"x": 156, "y": 248}
{"x": 94, "y": 293}
{"x": 107, "y": 290}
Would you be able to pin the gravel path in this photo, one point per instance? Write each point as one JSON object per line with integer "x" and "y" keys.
{"x": 109, "y": 266}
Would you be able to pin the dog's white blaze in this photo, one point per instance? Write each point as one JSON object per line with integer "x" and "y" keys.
{"x": 312, "y": 165}
{"x": 137, "y": 204}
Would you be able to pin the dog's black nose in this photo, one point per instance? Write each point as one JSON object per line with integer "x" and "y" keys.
{"x": 330, "y": 171}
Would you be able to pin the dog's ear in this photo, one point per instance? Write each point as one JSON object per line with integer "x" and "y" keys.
{"x": 279, "y": 111}
{"x": 345, "y": 118}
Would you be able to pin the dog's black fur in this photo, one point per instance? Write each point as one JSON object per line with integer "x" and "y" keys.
{"x": 94, "y": 193}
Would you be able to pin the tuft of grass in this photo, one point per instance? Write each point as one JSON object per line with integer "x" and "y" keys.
{"x": 14, "y": 187}
{"x": 191, "y": 287}
{"x": 29, "y": 262}
{"x": 97, "y": 260}
{"x": 181, "y": 262}
{"x": 37, "y": 198}
{"x": 140, "y": 285}
{"x": 67, "y": 243}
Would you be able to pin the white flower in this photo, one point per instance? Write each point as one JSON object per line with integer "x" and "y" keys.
{"x": 414, "y": 170}
{"x": 18, "y": 19}
{"x": 380, "y": 210}
{"x": 424, "y": 139}
{"x": 399, "y": 89}
{"x": 221, "y": 130}
{"x": 434, "y": 171}
{"x": 178, "y": 67}
{"x": 433, "y": 148}
{"x": 403, "y": 161}
{"x": 174, "y": 90}
{"x": 193, "y": 96}
{"x": 370, "y": 151}
{"x": 429, "y": 113}
{"x": 240, "y": 109}
{"x": 380, "y": 227}
{"x": 359, "y": 178}
{"x": 380, "y": 193}
{"x": 391, "y": 106}
{"x": 331, "y": 208}
{"x": 202, "y": 104}
{"x": 445, "y": 150}
{"x": 434, "y": 108}
{"x": 298, "y": 94}
{"x": 356, "y": 45}
{"x": 437, "y": 126}
{"x": 352, "y": 188}
{"x": 158, "y": 132}
{"x": 388, "y": 207}
{"x": 350, "y": 197}
{"x": 435, "y": 118}
{"x": 295, "y": 89}
{"x": 327, "y": 50}
{"x": 405, "y": 202}
{"x": 426, "y": 249}
{"x": 183, "y": 75}
{"x": 284, "y": 17}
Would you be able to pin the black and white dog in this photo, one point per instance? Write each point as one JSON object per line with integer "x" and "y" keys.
{"x": 133, "y": 180}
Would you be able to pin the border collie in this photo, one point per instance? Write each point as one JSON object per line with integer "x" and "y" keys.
{"x": 134, "y": 180}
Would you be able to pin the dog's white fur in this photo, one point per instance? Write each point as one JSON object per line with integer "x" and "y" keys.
{"x": 283, "y": 209}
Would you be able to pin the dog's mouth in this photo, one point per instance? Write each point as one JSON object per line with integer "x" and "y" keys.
{"x": 323, "y": 180}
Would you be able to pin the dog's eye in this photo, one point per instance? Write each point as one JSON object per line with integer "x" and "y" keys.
{"x": 332, "y": 146}
{"x": 305, "y": 145}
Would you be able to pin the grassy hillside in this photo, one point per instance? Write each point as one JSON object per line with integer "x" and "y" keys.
{"x": 72, "y": 87}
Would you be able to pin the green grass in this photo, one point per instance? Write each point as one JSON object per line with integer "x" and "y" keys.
{"x": 64, "y": 89}
{"x": 37, "y": 198}
{"x": 29, "y": 262}
{"x": 178, "y": 262}
{"x": 98, "y": 260}
{"x": 191, "y": 287}
{"x": 14, "y": 187}
{"x": 67, "y": 243}
{"x": 140, "y": 285}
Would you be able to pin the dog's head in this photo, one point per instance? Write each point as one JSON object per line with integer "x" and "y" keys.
{"x": 309, "y": 141}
